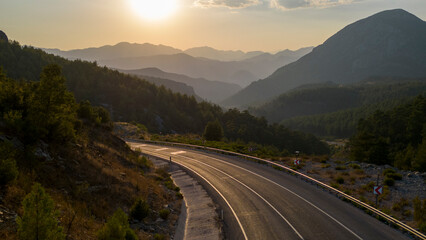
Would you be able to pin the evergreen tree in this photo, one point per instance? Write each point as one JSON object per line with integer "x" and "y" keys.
{"x": 39, "y": 220}
{"x": 117, "y": 228}
{"x": 8, "y": 169}
{"x": 53, "y": 107}
{"x": 213, "y": 131}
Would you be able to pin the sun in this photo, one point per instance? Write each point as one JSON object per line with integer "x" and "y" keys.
{"x": 154, "y": 9}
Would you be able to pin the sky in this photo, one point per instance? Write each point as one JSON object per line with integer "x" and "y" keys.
{"x": 248, "y": 25}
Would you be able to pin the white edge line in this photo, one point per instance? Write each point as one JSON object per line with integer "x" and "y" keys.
{"x": 313, "y": 205}
{"x": 292, "y": 227}
{"x": 229, "y": 205}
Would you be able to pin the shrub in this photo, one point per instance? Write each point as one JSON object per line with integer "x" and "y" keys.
{"x": 40, "y": 219}
{"x": 158, "y": 236}
{"x": 117, "y": 227}
{"x": 394, "y": 176}
{"x": 164, "y": 213}
{"x": 213, "y": 131}
{"x": 340, "y": 167}
{"x": 340, "y": 180}
{"x": 8, "y": 169}
{"x": 355, "y": 166}
{"x": 139, "y": 210}
{"x": 389, "y": 182}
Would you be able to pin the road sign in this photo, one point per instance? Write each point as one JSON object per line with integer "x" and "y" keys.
{"x": 296, "y": 162}
{"x": 378, "y": 190}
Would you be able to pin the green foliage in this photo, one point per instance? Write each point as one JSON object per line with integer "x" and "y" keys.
{"x": 40, "y": 219}
{"x": 164, "y": 213}
{"x": 396, "y": 137}
{"x": 389, "y": 182}
{"x": 313, "y": 110}
{"x": 213, "y": 131}
{"x": 419, "y": 210}
{"x": 8, "y": 169}
{"x": 137, "y": 100}
{"x": 158, "y": 236}
{"x": 139, "y": 210}
{"x": 52, "y": 107}
{"x": 97, "y": 115}
{"x": 117, "y": 228}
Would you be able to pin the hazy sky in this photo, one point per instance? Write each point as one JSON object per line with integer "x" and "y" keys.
{"x": 247, "y": 25}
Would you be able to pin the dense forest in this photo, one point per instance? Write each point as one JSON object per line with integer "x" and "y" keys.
{"x": 396, "y": 137}
{"x": 160, "y": 110}
{"x": 331, "y": 110}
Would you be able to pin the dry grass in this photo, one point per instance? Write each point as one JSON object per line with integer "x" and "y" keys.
{"x": 88, "y": 182}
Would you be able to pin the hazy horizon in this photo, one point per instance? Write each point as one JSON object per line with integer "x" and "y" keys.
{"x": 247, "y": 25}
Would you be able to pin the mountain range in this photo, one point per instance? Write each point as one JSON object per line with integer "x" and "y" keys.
{"x": 389, "y": 43}
{"x": 203, "y": 62}
{"x": 213, "y": 91}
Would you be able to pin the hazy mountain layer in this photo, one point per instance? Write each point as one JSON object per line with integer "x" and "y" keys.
{"x": 213, "y": 91}
{"x": 390, "y": 43}
{"x": 204, "y": 62}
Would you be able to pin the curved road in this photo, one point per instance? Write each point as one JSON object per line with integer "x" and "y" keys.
{"x": 269, "y": 204}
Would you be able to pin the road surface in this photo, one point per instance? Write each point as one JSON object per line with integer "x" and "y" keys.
{"x": 263, "y": 203}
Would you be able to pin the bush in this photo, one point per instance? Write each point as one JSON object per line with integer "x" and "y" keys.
{"x": 355, "y": 166}
{"x": 213, "y": 131}
{"x": 394, "y": 176}
{"x": 164, "y": 213}
{"x": 117, "y": 227}
{"x": 340, "y": 180}
{"x": 139, "y": 210}
{"x": 340, "y": 167}
{"x": 158, "y": 236}
{"x": 8, "y": 169}
{"x": 389, "y": 182}
{"x": 40, "y": 219}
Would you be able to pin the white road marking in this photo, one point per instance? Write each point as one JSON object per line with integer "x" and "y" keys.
{"x": 226, "y": 201}
{"x": 313, "y": 205}
{"x": 179, "y": 152}
{"x": 160, "y": 149}
{"x": 249, "y": 188}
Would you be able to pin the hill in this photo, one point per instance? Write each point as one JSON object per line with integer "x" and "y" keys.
{"x": 247, "y": 68}
{"x": 47, "y": 138}
{"x": 131, "y": 99}
{"x": 329, "y": 97}
{"x": 174, "y": 86}
{"x": 389, "y": 43}
{"x": 120, "y": 50}
{"x": 213, "y": 91}
{"x": 395, "y": 137}
{"x": 221, "y": 55}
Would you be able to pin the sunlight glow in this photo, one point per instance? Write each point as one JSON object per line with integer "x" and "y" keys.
{"x": 154, "y": 9}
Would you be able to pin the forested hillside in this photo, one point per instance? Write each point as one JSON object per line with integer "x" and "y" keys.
{"x": 332, "y": 110}
{"x": 396, "y": 137}
{"x": 131, "y": 99}
{"x": 62, "y": 172}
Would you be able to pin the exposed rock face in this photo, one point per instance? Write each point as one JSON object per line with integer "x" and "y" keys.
{"x": 3, "y": 36}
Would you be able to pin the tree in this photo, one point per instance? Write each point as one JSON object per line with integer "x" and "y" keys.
{"x": 53, "y": 106}
{"x": 213, "y": 131}
{"x": 117, "y": 228}
{"x": 40, "y": 219}
{"x": 139, "y": 210}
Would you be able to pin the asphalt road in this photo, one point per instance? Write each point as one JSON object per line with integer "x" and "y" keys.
{"x": 268, "y": 204}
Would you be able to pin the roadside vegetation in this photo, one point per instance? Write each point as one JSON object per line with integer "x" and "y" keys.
{"x": 63, "y": 174}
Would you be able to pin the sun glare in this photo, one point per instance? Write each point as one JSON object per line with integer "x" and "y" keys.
{"x": 154, "y": 9}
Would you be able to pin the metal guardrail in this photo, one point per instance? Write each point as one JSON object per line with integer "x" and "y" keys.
{"x": 355, "y": 201}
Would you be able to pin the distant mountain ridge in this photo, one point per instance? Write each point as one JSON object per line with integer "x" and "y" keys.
{"x": 213, "y": 91}
{"x": 221, "y": 55}
{"x": 251, "y": 66}
{"x": 389, "y": 43}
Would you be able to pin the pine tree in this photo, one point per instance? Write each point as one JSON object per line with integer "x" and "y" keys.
{"x": 39, "y": 220}
{"x": 213, "y": 131}
{"x": 117, "y": 228}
